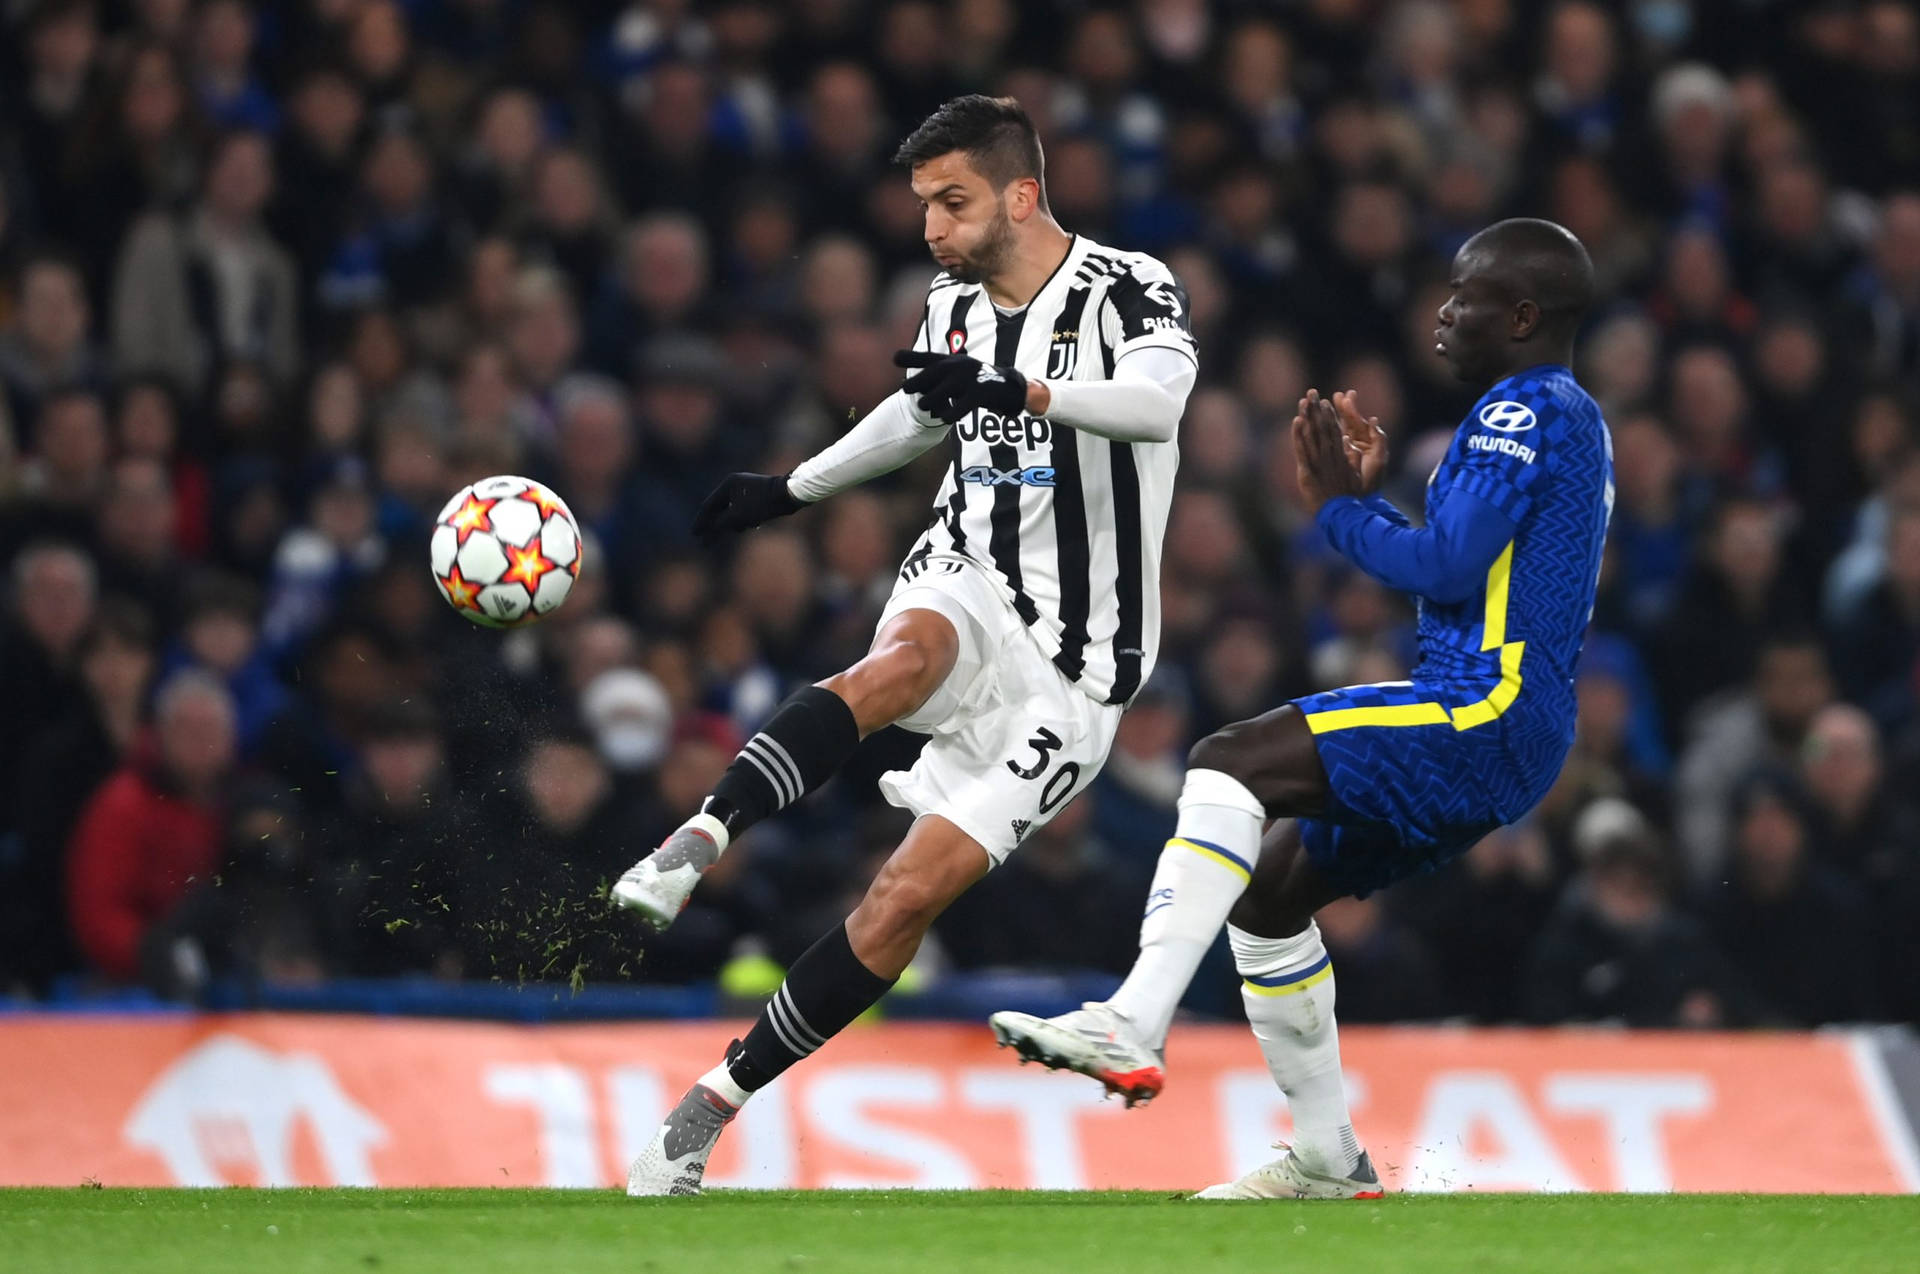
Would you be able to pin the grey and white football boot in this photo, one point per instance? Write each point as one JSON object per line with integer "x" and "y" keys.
{"x": 675, "y": 1161}
{"x": 1288, "y": 1178}
{"x": 659, "y": 885}
{"x": 1094, "y": 1041}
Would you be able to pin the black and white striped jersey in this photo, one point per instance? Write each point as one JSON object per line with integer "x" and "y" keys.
{"x": 1069, "y": 522}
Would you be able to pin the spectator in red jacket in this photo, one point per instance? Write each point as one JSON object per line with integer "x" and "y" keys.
{"x": 153, "y": 827}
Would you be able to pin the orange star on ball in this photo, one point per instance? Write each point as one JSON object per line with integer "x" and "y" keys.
{"x": 462, "y": 592}
{"x": 546, "y": 501}
{"x": 526, "y": 566}
{"x": 473, "y": 515}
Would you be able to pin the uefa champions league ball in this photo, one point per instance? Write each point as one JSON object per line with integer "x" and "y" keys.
{"x": 505, "y": 552}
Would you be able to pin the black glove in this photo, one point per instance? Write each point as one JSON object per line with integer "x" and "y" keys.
{"x": 744, "y": 500}
{"x": 951, "y": 386}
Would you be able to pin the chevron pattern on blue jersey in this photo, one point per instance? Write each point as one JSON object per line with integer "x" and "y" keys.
{"x": 1405, "y": 798}
{"x": 1553, "y": 475}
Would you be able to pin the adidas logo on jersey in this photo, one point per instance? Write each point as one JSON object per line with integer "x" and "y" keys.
{"x": 1020, "y": 826}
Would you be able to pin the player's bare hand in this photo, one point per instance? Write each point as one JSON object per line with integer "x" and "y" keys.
{"x": 1302, "y": 471}
{"x": 1320, "y": 453}
{"x": 1366, "y": 441}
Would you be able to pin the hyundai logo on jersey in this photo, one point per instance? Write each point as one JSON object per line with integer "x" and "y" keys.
{"x": 1507, "y": 417}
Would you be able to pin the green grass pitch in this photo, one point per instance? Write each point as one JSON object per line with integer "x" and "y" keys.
{"x": 909, "y": 1232}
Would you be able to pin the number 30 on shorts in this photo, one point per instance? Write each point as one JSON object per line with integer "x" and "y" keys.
{"x": 1060, "y": 786}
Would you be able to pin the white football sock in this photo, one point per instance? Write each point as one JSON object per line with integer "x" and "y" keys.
{"x": 721, "y": 1081}
{"x": 1288, "y": 992}
{"x": 1202, "y": 872}
{"x": 710, "y": 827}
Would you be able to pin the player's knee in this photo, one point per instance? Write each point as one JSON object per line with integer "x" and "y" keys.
{"x": 905, "y": 663}
{"x": 1273, "y": 756}
{"x": 914, "y": 657}
{"x": 892, "y": 680}
{"x": 1258, "y": 911}
{"x": 1226, "y": 750}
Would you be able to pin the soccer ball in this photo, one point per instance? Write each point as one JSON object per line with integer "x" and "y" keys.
{"x": 505, "y": 552}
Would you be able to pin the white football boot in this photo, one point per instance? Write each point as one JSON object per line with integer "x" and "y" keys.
{"x": 675, "y": 1161}
{"x": 1094, "y": 1041}
{"x": 1288, "y": 1178}
{"x": 659, "y": 885}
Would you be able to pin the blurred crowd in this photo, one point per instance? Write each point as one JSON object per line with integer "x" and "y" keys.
{"x": 276, "y": 279}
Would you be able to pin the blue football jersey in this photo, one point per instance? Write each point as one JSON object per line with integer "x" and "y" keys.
{"x": 1536, "y": 447}
{"x": 1505, "y": 573}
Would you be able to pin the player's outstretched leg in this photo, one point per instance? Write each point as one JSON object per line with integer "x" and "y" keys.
{"x": 834, "y": 981}
{"x": 826, "y": 989}
{"x": 808, "y": 738}
{"x": 1237, "y": 778}
{"x": 1202, "y": 870}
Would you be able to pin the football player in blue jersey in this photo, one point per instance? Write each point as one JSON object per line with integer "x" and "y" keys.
{"x": 1361, "y": 786}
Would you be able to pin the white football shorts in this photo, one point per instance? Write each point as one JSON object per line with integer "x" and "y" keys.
{"x": 1012, "y": 739}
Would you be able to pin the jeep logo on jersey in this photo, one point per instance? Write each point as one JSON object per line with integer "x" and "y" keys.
{"x": 1508, "y": 417}
{"x": 1016, "y": 431}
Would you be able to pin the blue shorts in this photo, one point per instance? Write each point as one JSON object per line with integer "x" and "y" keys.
{"x": 1409, "y": 789}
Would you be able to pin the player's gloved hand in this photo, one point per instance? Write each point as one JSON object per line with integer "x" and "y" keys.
{"x": 744, "y": 500}
{"x": 952, "y": 386}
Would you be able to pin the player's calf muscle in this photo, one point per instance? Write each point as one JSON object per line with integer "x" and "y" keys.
{"x": 936, "y": 864}
{"x": 886, "y": 928}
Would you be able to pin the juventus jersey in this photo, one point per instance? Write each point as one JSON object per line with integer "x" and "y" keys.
{"x": 1069, "y": 522}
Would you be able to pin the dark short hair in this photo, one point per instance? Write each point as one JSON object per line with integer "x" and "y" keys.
{"x": 51, "y": 256}
{"x": 120, "y": 621}
{"x": 1542, "y": 261}
{"x": 410, "y": 718}
{"x": 1792, "y": 634}
{"x": 995, "y": 133}
{"x": 219, "y": 593}
{"x": 148, "y": 379}
{"x": 48, "y": 12}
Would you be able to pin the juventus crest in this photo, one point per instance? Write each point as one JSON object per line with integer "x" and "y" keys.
{"x": 1062, "y": 354}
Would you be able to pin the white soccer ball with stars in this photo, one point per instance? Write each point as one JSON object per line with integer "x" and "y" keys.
{"x": 505, "y": 552}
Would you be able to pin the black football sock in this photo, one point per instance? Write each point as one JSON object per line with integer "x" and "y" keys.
{"x": 826, "y": 989}
{"x": 808, "y": 737}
